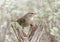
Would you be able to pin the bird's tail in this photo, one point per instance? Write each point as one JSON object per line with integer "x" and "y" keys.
{"x": 14, "y": 20}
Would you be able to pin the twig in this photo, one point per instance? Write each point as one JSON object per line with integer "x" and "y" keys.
{"x": 40, "y": 35}
{"x": 14, "y": 30}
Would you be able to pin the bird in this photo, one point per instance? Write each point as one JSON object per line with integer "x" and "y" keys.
{"x": 26, "y": 20}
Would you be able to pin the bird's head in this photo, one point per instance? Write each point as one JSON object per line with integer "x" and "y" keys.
{"x": 31, "y": 14}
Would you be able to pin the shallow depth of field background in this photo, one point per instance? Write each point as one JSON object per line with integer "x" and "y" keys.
{"x": 13, "y": 9}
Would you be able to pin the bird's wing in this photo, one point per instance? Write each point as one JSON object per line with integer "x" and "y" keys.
{"x": 21, "y": 21}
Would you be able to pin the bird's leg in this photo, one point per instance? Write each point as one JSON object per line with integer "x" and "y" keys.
{"x": 32, "y": 29}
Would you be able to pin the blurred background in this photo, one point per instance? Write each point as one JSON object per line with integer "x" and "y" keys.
{"x": 14, "y": 9}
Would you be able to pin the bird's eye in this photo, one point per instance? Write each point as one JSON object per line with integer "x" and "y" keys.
{"x": 32, "y": 13}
